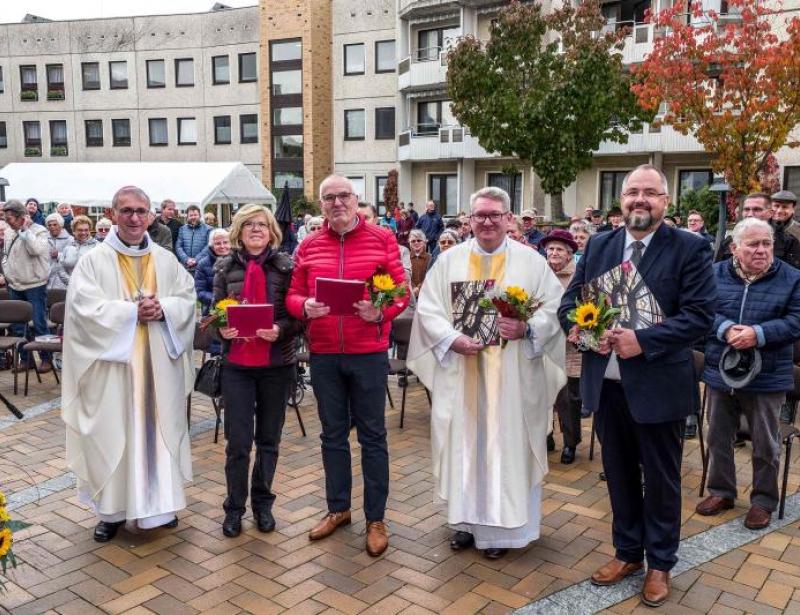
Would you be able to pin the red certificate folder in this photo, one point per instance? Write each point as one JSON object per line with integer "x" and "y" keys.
{"x": 339, "y": 295}
{"x": 249, "y": 317}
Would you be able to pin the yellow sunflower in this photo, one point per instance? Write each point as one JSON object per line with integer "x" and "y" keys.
{"x": 4, "y": 516}
{"x": 383, "y": 283}
{"x": 6, "y": 540}
{"x": 225, "y": 303}
{"x": 515, "y": 292}
{"x": 587, "y": 315}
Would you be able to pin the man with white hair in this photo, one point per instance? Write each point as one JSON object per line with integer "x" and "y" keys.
{"x": 127, "y": 371}
{"x": 492, "y": 401}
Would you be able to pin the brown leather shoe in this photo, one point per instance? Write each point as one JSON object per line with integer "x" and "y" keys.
{"x": 713, "y": 505}
{"x": 377, "y": 538}
{"x": 328, "y": 525}
{"x": 757, "y": 518}
{"x": 614, "y": 571}
{"x": 656, "y": 588}
{"x": 45, "y": 367}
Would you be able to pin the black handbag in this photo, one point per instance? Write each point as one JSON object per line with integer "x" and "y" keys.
{"x": 209, "y": 378}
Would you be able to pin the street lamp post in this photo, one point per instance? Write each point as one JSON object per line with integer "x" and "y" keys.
{"x": 720, "y": 187}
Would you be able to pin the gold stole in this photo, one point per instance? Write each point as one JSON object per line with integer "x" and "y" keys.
{"x": 482, "y": 384}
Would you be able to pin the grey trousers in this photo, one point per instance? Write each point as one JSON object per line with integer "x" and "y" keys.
{"x": 761, "y": 411}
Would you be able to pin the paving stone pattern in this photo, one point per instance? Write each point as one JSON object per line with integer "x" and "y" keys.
{"x": 194, "y": 569}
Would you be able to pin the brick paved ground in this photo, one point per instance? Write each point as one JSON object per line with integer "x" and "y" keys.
{"x": 193, "y": 568}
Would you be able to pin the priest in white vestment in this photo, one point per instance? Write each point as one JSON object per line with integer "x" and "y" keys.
{"x": 128, "y": 336}
{"x": 492, "y": 405}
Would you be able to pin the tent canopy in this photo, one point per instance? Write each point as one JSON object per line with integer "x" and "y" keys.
{"x": 93, "y": 184}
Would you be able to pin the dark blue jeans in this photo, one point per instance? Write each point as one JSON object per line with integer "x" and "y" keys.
{"x": 37, "y": 297}
{"x": 345, "y": 385}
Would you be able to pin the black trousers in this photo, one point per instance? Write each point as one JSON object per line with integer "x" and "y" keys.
{"x": 348, "y": 385}
{"x": 255, "y": 409}
{"x": 568, "y": 408}
{"x": 645, "y": 522}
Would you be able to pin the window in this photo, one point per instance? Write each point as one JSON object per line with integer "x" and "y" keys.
{"x": 354, "y": 59}
{"x": 512, "y": 185}
{"x": 2, "y": 81}
{"x": 385, "y": 61}
{"x": 430, "y": 43}
{"x": 610, "y": 188}
{"x": 287, "y": 82}
{"x": 222, "y": 129}
{"x": 294, "y": 179}
{"x": 287, "y": 116}
{"x": 429, "y": 117}
{"x": 791, "y": 179}
{"x": 248, "y": 128}
{"x": 184, "y": 72}
{"x": 33, "y": 138}
{"x": 158, "y": 131}
{"x": 3, "y": 136}
{"x": 221, "y": 70}
{"x": 55, "y": 81}
{"x": 354, "y": 120}
{"x": 380, "y": 184}
{"x": 58, "y": 137}
{"x": 94, "y": 133}
{"x": 288, "y": 146}
{"x": 156, "y": 74}
{"x": 358, "y": 186}
{"x": 90, "y": 75}
{"x": 28, "y": 83}
{"x": 443, "y": 190}
{"x": 118, "y": 75}
{"x": 693, "y": 179}
{"x": 187, "y": 131}
{"x": 285, "y": 51}
{"x": 247, "y": 68}
{"x": 122, "y": 132}
{"x": 384, "y": 123}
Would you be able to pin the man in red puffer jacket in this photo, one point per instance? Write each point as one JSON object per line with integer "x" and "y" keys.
{"x": 349, "y": 363}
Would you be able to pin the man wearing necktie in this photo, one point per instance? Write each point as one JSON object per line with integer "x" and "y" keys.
{"x": 641, "y": 381}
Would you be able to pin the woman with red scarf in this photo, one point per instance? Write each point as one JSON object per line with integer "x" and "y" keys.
{"x": 257, "y": 371}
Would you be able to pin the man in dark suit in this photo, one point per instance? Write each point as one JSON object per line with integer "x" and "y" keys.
{"x": 641, "y": 382}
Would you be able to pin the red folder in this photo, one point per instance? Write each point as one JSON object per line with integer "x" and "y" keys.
{"x": 339, "y": 295}
{"x": 249, "y": 317}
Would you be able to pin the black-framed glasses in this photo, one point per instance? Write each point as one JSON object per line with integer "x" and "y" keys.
{"x": 342, "y": 196}
{"x": 495, "y": 217}
{"x": 129, "y": 211}
{"x": 648, "y": 194}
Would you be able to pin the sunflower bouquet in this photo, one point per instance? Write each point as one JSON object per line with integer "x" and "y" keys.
{"x": 593, "y": 317}
{"x": 218, "y": 315}
{"x": 383, "y": 290}
{"x": 512, "y": 302}
{"x": 7, "y": 529}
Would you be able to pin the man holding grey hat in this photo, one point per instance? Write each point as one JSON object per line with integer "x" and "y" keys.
{"x": 749, "y": 366}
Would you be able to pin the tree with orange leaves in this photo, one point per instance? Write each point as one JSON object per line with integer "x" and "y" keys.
{"x": 732, "y": 80}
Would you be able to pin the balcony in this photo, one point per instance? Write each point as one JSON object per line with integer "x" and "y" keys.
{"x": 422, "y": 70}
{"x": 665, "y": 140}
{"x": 439, "y": 143}
{"x": 407, "y": 9}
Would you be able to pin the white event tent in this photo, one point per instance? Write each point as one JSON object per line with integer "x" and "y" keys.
{"x": 93, "y": 184}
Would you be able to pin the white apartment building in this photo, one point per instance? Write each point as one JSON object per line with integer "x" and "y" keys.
{"x": 440, "y": 160}
{"x": 153, "y": 88}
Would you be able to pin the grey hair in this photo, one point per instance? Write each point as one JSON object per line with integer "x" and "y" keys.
{"x": 55, "y": 217}
{"x": 331, "y": 178}
{"x": 313, "y": 221}
{"x": 418, "y": 234}
{"x": 750, "y": 223}
{"x": 214, "y": 233}
{"x": 493, "y": 193}
{"x": 582, "y": 227}
{"x": 450, "y": 233}
{"x": 648, "y": 167}
{"x": 104, "y": 222}
{"x": 134, "y": 191}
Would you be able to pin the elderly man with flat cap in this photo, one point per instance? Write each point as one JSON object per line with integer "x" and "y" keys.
{"x": 783, "y": 208}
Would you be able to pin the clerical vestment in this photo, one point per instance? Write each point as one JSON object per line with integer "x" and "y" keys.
{"x": 491, "y": 413}
{"x": 125, "y": 383}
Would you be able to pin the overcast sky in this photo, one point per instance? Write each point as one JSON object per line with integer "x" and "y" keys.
{"x": 12, "y": 12}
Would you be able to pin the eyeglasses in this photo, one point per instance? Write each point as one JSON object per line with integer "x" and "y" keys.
{"x": 103, "y": 229}
{"x": 447, "y": 243}
{"x": 342, "y": 196}
{"x": 495, "y": 217}
{"x": 416, "y": 240}
{"x": 649, "y": 194}
{"x": 252, "y": 224}
{"x": 129, "y": 211}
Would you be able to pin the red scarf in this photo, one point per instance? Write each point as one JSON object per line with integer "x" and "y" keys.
{"x": 252, "y": 352}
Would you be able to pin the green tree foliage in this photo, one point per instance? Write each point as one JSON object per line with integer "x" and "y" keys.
{"x": 705, "y": 202}
{"x": 523, "y": 94}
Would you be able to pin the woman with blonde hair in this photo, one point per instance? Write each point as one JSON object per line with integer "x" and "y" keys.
{"x": 257, "y": 371}
{"x": 82, "y": 242}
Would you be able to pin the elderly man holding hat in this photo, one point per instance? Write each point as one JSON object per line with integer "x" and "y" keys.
{"x": 749, "y": 366}
{"x": 559, "y": 248}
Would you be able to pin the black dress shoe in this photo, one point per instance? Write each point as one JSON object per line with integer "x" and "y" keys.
{"x": 232, "y": 525}
{"x": 105, "y": 531}
{"x": 551, "y": 443}
{"x": 264, "y": 521}
{"x": 494, "y": 553}
{"x": 568, "y": 454}
{"x": 461, "y": 540}
{"x": 171, "y": 524}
